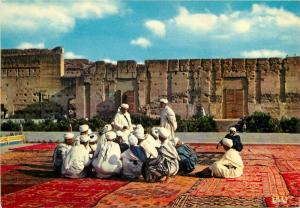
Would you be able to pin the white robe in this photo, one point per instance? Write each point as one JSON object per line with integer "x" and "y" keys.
{"x": 107, "y": 159}
{"x": 75, "y": 162}
{"x": 168, "y": 120}
{"x": 150, "y": 146}
{"x": 132, "y": 165}
{"x": 167, "y": 148}
{"x": 229, "y": 166}
{"x": 60, "y": 154}
{"x": 120, "y": 122}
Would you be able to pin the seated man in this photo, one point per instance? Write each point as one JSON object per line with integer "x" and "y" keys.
{"x": 166, "y": 164}
{"x": 61, "y": 151}
{"x": 230, "y": 165}
{"x": 122, "y": 120}
{"x": 120, "y": 140}
{"x": 107, "y": 157}
{"x": 237, "y": 144}
{"x": 84, "y": 130}
{"x": 77, "y": 160}
{"x": 188, "y": 157}
{"x": 146, "y": 141}
{"x": 92, "y": 144}
{"x": 133, "y": 158}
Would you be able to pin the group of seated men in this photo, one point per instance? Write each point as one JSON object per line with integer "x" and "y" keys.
{"x": 125, "y": 149}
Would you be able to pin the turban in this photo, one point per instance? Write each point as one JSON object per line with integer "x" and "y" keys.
{"x": 139, "y": 126}
{"x": 124, "y": 105}
{"x": 154, "y": 131}
{"x": 83, "y": 128}
{"x": 176, "y": 140}
{"x": 232, "y": 129}
{"x": 106, "y": 128}
{"x": 89, "y": 131}
{"x": 139, "y": 133}
{"x": 163, "y": 100}
{"x": 163, "y": 132}
{"x": 227, "y": 142}
{"x": 120, "y": 134}
{"x": 133, "y": 141}
{"x": 93, "y": 138}
{"x": 110, "y": 135}
{"x": 68, "y": 135}
{"x": 84, "y": 138}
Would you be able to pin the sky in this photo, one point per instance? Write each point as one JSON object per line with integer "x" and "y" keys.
{"x": 114, "y": 30}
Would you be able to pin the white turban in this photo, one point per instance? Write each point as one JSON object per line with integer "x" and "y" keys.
{"x": 227, "y": 142}
{"x": 83, "y": 128}
{"x": 106, "y": 128}
{"x": 68, "y": 135}
{"x": 139, "y": 133}
{"x": 84, "y": 138}
{"x": 93, "y": 138}
{"x": 163, "y": 132}
{"x": 154, "y": 131}
{"x": 133, "y": 141}
{"x": 110, "y": 135}
{"x": 124, "y": 105}
{"x": 139, "y": 126}
{"x": 120, "y": 134}
{"x": 175, "y": 140}
{"x": 232, "y": 129}
{"x": 89, "y": 131}
{"x": 163, "y": 100}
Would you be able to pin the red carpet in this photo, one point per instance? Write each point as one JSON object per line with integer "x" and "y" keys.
{"x": 6, "y": 168}
{"x": 292, "y": 180}
{"x": 36, "y": 147}
{"x": 62, "y": 193}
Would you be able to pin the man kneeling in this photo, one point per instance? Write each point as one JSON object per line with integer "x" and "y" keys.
{"x": 230, "y": 165}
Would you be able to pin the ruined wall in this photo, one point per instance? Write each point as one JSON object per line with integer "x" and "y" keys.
{"x": 225, "y": 88}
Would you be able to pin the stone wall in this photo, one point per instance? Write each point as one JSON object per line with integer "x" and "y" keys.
{"x": 225, "y": 88}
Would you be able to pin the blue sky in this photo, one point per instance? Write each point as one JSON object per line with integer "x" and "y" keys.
{"x": 140, "y": 30}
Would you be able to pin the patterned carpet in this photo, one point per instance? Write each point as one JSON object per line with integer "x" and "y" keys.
{"x": 271, "y": 178}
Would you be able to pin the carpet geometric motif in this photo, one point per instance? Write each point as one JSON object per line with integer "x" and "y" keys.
{"x": 292, "y": 180}
{"x": 63, "y": 193}
{"x": 148, "y": 194}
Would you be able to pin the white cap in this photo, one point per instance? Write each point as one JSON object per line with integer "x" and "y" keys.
{"x": 84, "y": 138}
{"x": 227, "y": 142}
{"x": 93, "y": 138}
{"x": 154, "y": 131}
{"x": 163, "y": 100}
{"x": 83, "y": 128}
{"x": 139, "y": 133}
{"x": 120, "y": 134}
{"x": 232, "y": 129}
{"x": 139, "y": 126}
{"x": 176, "y": 140}
{"x": 110, "y": 135}
{"x": 89, "y": 131}
{"x": 133, "y": 141}
{"x": 106, "y": 128}
{"x": 163, "y": 132}
{"x": 124, "y": 105}
{"x": 68, "y": 135}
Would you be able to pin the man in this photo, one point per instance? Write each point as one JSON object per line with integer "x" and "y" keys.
{"x": 188, "y": 157}
{"x": 133, "y": 158}
{"x": 84, "y": 130}
{"x": 123, "y": 146}
{"x": 61, "y": 152}
{"x": 77, "y": 160}
{"x": 230, "y": 165}
{"x": 122, "y": 120}
{"x": 107, "y": 157}
{"x": 237, "y": 144}
{"x": 149, "y": 144}
{"x": 166, "y": 164}
{"x": 167, "y": 117}
{"x": 92, "y": 144}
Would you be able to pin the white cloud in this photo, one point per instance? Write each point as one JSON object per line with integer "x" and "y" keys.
{"x": 157, "y": 27}
{"x": 142, "y": 42}
{"x": 72, "y": 55}
{"x": 263, "y": 53}
{"x": 107, "y": 60}
{"x": 27, "y": 45}
{"x": 55, "y": 17}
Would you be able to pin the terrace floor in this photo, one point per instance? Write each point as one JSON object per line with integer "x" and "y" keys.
{"x": 271, "y": 178}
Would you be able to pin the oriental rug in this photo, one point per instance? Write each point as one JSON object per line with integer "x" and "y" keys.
{"x": 292, "y": 180}
{"x": 63, "y": 193}
{"x": 5, "y": 168}
{"x": 37, "y": 147}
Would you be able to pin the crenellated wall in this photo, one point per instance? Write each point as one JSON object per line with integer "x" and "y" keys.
{"x": 225, "y": 88}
